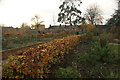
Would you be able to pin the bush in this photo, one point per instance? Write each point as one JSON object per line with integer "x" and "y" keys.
{"x": 15, "y": 40}
{"x": 101, "y": 61}
{"x": 100, "y": 51}
{"x": 89, "y": 28}
{"x": 69, "y": 72}
{"x": 113, "y": 75}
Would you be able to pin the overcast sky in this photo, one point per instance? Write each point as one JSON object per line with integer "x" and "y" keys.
{"x": 15, "y": 12}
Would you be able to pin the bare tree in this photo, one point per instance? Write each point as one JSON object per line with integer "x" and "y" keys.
{"x": 37, "y": 21}
{"x": 93, "y": 15}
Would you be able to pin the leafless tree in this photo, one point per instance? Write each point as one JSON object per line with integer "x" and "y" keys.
{"x": 93, "y": 15}
{"x": 37, "y": 21}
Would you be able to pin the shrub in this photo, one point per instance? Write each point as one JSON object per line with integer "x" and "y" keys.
{"x": 69, "y": 72}
{"x": 15, "y": 40}
{"x": 101, "y": 61}
{"x": 100, "y": 51}
{"x": 89, "y": 28}
{"x": 113, "y": 75}
{"x": 107, "y": 36}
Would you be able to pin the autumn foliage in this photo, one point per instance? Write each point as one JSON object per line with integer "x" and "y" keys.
{"x": 89, "y": 27}
{"x": 36, "y": 62}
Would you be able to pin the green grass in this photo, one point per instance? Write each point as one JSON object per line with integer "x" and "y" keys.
{"x": 116, "y": 48}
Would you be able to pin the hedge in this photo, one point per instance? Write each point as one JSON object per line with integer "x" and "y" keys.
{"x": 36, "y": 62}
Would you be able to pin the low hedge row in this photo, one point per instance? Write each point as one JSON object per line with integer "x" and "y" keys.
{"x": 60, "y": 34}
{"x": 36, "y": 62}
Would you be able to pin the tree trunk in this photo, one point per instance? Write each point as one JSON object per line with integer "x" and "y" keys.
{"x": 70, "y": 21}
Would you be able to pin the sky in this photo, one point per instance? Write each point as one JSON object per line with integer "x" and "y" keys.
{"x": 15, "y": 12}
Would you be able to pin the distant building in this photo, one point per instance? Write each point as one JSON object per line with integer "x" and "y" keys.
{"x": 102, "y": 27}
{"x": 41, "y": 27}
{"x": 57, "y": 28}
{"x": 10, "y": 31}
{"x": 20, "y": 32}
